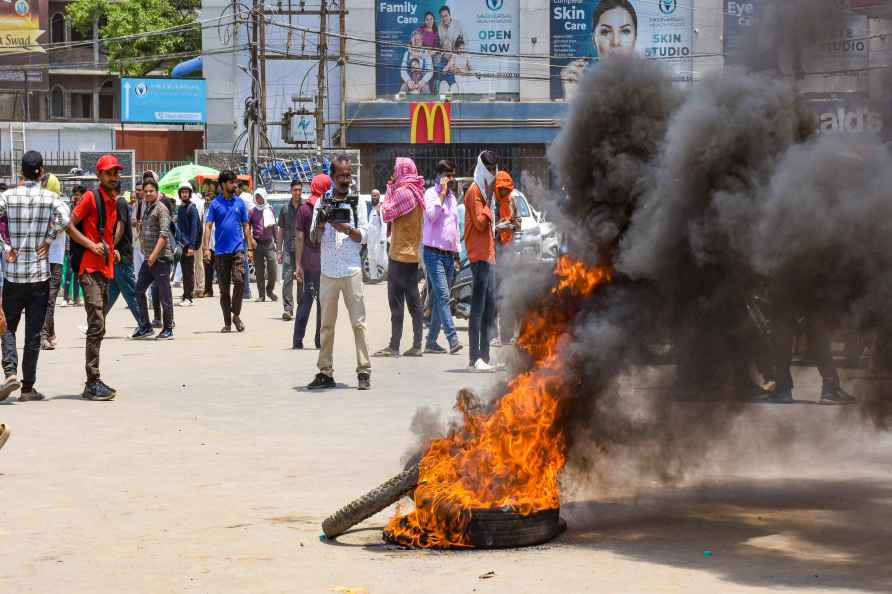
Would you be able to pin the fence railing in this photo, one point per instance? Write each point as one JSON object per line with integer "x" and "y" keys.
{"x": 65, "y": 161}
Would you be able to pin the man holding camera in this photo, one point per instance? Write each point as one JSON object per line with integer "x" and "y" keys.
{"x": 340, "y": 227}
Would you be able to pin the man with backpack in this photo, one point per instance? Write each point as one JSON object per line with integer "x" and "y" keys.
{"x": 93, "y": 255}
{"x": 188, "y": 237}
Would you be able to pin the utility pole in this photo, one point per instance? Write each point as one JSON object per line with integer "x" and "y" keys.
{"x": 342, "y": 60}
{"x": 320, "y": 78}
{"x": 253, "y": 108}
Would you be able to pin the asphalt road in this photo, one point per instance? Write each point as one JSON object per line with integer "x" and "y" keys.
{"x": 213, "y": 469}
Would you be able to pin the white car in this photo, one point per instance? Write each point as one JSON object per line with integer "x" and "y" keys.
{"x": 537, "y": 237}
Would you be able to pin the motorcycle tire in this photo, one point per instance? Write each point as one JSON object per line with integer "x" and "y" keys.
{"x": 371, "y": 503}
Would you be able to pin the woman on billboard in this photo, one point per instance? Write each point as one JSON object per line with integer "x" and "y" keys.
{"x": 416, "y": 79}
{"x": 614, "y": 33}
{"x": 430, "y": 37}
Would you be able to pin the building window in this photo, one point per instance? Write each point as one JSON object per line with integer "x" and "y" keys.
{"x": 82, "y": 106}
{"x": 57, "y": 103}
{"x": 76, "y": 35}
{"x": 57, "y": 28}
{"x": 107, "y": 101}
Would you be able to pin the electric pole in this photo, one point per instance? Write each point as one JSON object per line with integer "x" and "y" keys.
{"x": 342, "y": 60}
{"x": 253, "y": 107}
{"x": 320, "y": 77}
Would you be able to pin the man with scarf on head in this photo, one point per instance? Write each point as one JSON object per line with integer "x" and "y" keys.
{"x": 403, "y": 206}
{"x": 509, "y": 222}
{"x": 307, "y": 267}
{"x": 480, "y": 242}
{"x": 262, "y": 220}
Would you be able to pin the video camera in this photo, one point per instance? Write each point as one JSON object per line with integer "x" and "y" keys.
{"x": 339, "y": 210}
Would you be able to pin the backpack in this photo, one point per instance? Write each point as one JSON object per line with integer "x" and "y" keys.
{"x": 77, "y": 251}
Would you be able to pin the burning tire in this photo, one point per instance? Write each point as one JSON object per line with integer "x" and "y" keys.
{"x": 371, "y": 503}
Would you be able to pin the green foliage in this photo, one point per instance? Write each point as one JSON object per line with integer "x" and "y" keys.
{"x": 132, "y": 17}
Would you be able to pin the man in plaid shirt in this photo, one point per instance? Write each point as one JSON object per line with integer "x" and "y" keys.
{"x": 35, "y": 217}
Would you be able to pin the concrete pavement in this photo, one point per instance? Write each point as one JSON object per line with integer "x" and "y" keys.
{"x": 213, "y": 469}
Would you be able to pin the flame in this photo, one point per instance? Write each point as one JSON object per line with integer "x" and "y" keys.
{"x": 509, "y": 456}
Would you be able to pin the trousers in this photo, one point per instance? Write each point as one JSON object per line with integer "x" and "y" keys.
{"x": 30, "y": 299}
{"x": 329, "y": 291}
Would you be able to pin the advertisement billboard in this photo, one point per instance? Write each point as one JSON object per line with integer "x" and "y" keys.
{"x": 430, "y": 122}
{"x": 23, "y": 30}
{"x": 584, "y": 32}
{"x": 432, "y": 47}
{"x": 164, "y": 100}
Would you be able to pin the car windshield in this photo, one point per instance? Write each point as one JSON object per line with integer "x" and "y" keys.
{"x": 522, "y": 206}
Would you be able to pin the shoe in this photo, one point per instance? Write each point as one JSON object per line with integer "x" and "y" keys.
{"x": 387, "y": 352}
{"x": 298, "y": 347}
{"x": 4, "y": 435}
{"x": 260, "y": 300}
{"x": 835, "y": 396}
{"x": 778, "y": 396}
{"x": 495, "y": 342}
{"x": 10, "y": 385}
{"x": 165, "y": 335}
{"x": 239, "y": 325}
{"x": 157, "y": 324}
{"x": 185, "y": 303}
{"x": 455, "y": 348}
{"x": 482, "y": 366}
{"x": 414, "y": 352}
{"x": 272, "y": 297}
{"x": 54, "y": 342}
{"x": 434, "y": 349}
{"x": 31, "y": 395}
{"x": 46, "y": 345}
{"x": 364, "y": 381}
{"x": 98, "y": 391}
{"x": 226, "y": 329}
{"x": 322, "y": 382}
{"x": 143, "y": 333}
{"x": 287, "y": 316}
{"x": 82, "y": 328}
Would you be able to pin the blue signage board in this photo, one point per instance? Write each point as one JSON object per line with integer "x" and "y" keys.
{"x": 164, "y": 100}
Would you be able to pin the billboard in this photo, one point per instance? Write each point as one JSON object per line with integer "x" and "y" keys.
{"x": 844, "y": 113}
{"x": 584, "y": 32}
{"x": 23, "y": 28}
{"x": 164, "y": 100}
{"x": 432, "y": 47}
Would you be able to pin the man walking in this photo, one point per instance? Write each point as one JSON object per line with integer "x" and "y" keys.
{"x": 93, "y": 226}
{"x": 308, "y": 257}
{"x": 286, "y": 228}
{"x": 207, "y": 247}
{"x": 155, "y": 240}
{"x": 35, "y": 216}
{"x": 227, "y": 219}
{"x": 198, "y": 255}
{"x": 341, "y": 273}
{"x": 442, "y": 243}
{"x": 480, "y": 242}
{"x": 124, "y": 282}
{"x": 57, "y": 260}
{"x": 189, "y": 238}
{"x": 245, "y": 196}
{"x": 263, "y": 229}
{"x": 403, "y": 208}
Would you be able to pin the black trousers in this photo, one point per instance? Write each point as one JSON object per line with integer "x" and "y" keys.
{"x": 231, "y": 272}
{"x": 187, "y": 265}
{"x": 49, "y": 325}
{"x": 209, "y": 276}
{"x": 159, "y": 275}
{"x": 402, "y": 288}
{"x": 309, "y": 295}
{"x": 265, "y": 268}
{"x": 32, "y": 299}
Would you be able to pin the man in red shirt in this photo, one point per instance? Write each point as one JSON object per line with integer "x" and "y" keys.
{"x": 97, "y": 266}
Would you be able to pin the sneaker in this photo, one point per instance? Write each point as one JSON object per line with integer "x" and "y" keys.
{"x": 4, "y": 435}
{"x": 46, "y": 345}
{"x": 98, "y": 391}
{"x": 273, "y": 298}
{"x": 364, "y": 381}
{"x": 185, "y": 303}
{"x": 322, "y": 382}
{"x": 482, "y": 366}
{"x": 157, "y": 324}
{"x": 834, "y": 396}
{"x": 30, "y": 395}
{"x": 260, "y": 300}
{"x": 143, "y": 333}
{"x": 455, "y": 348}
{"x": 10, "y": 385}
{"x": 387, "y": 352}
{"x": 165, "y": 335}
{"x": 298, "y": 347}
{"x": 414, "y": 352}
{"x": 226, "y": 329}
{"x": 778, "y": 396}
{"x": 239, "y": 325}
{"x": 287, "y": 316}
{"x": 434, "y": 349}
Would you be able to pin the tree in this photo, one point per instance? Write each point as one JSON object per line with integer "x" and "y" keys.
{"x": 137, "y": 56}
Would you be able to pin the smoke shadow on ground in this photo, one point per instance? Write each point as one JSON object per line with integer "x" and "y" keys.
{"x": 795, "y": 534}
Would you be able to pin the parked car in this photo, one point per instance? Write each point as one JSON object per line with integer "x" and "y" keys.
{"x": 537, "y": 237}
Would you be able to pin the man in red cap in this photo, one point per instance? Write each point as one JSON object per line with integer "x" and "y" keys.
{"x": 93, "y": 227}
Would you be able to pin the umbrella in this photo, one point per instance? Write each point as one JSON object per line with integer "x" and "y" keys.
{"x": 173, "y": 178}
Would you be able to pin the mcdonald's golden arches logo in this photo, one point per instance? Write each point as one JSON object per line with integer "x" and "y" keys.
{"x": 430, "y": 122}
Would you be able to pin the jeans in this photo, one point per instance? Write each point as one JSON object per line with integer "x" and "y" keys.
{"x": 329, "y": 289}
{"x": 30, "y": 298}
{"x": 309, "y": 295}
{"x": 440, "y": 270}
{"x": 483, "y": 310}
{"x": 159, "y": 275}
{"x": 209, "y": 276}
{"x": 95, "y": 297}
{"x": 123, "y": 284}
{"x": 288, "y": 280}
{"x": 230, "y": 270}
{"x": 402, "y": 288}
{"x": 187, "y": 265}
{"x": 265, "y": 268}
{"x": 49, "y": 324}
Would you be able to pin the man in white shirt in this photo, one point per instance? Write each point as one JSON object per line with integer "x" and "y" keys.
{"x": 341, "y": 245}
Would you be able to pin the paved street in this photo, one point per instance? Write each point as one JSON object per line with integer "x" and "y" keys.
{"x": 213, "y": 469}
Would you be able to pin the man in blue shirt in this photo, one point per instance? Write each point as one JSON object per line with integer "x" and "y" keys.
{"x": 227, "y": 218}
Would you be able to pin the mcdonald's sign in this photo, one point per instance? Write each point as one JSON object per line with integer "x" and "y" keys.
{"x": 430, "y": 122}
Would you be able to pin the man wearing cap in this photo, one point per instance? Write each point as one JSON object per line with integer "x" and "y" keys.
{"x": 124, "y": 282}
{"x": 97, "y": 265}
{"x": 35, "y": 216}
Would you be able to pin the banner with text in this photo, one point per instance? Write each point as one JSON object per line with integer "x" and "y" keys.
{"x": 431, "y": 47}
{"x": 584, "y": 32}
{"x": 23, "y": 25}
